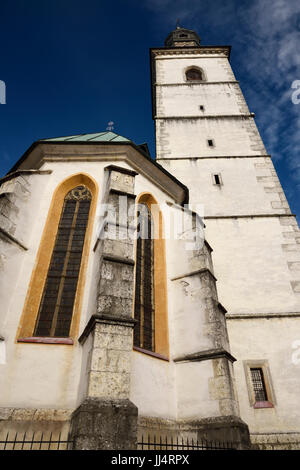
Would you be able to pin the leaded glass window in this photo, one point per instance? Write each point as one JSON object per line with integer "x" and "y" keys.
{"x": 56, "y": 307}
{"x": 144, "y": 285}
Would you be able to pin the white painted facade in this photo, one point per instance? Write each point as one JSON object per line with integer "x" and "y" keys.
{"x": 256, "y": 249}
{"x": 255, "y": 259}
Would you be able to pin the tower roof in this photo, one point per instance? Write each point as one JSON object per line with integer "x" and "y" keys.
{"x": 182, "y": 37}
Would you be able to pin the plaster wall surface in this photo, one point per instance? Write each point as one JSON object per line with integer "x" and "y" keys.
{"x": 171, "y": 69}
{"x": 153, "y": 386}
{"x": 184, "y": 99}
{"x": 195, "y": 400}
{"x": 188, "y": 137}
{"x": 251, "y": 265}
{"x": 247, "y": 185}
{"x": 274, "y": 342}
{"x": 48, "y": 375}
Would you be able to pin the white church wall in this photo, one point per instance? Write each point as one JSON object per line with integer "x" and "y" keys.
{"x": 43, "y": 375}
{"x": 48, "y": 375}
{"x": 153, "y": 386}
{"x": 275, "y": 341}
{"x": 256, "y": 259}
{"x": 180, "y": 100}
{"x": 194, "y": 396}
{"x": 251, "y": 265}
{"x": 231, "y": 137}
{"x": 170, "y": 69}
{"x": 240, "y": 192}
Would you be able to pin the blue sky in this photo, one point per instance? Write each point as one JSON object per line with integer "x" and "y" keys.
{"x": 70, "y": 66}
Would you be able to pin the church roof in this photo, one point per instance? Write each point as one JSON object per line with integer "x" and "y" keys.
{"x": 106, "y": 136}
{"x": 136, "y": 155}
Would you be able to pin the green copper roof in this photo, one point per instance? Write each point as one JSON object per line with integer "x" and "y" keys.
{"x": 106, "y": 136}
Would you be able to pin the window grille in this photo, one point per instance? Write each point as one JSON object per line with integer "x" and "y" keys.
{"x": 144, "y": 287}
{"x": 56, "y": 307}
{"x": 259, "y": 384}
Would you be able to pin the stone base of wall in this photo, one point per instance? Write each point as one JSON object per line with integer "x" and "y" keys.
{"x": 18, "y": 421}
{"x": 227, "y": 429}
{"x": 100, "y": 424}
{"x": 115, "y": 425}
{"x": 276, "y": 441}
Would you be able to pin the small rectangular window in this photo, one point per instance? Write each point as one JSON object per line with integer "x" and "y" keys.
{"x": 259, "y": 386}
{"x": 210, "y": 143}
{"x": 217, "y": 179}
{"x": 201, "y": 107}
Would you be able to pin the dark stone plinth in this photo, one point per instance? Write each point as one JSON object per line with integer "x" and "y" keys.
{"x": 99, "y": 424}
{"x": 220, "y": 430}
{"x": 225, "y": 429}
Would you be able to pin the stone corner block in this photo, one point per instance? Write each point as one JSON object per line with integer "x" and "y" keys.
{"x": 103, "y": 424}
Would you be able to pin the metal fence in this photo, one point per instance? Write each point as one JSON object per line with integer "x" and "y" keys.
{"x": 165, "y": 443}
{"x": 35, "y": 441}
{"x": 41, "y": 441}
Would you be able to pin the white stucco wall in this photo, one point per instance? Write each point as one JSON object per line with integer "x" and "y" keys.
{"x": 153, "y": 388}
{"x": 171, "y": 69}
{"x": 256, "y": 259}
{"x": 240, "y": 193}
{"x": 180, "y": 99}
{"x": 53, "y": 376}
{"x": 251, "y": 265}
{"x": 271, "y": 340}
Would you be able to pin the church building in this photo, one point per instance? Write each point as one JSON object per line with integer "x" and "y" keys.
{"x": 153, "y": 297}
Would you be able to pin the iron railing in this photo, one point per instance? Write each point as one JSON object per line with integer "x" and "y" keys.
{"x": 165, "y": 443}
{"x": 17, "y": 441}
{"x": 41, "y": 441}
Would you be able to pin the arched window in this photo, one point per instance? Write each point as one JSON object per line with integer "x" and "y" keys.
{"x": 194, "y": 74}
{"x": 150, "y": 302}
{"x": 56, "y": 307}
{"x": 51, "y": 312}
{"x": 144, "y": 306}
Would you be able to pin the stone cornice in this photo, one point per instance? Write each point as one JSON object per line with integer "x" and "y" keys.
{"x": 208, "y": 116}
{"x": 200, "y": 51}
{"x": 206, "y": 355}
{"x": 108, "y": 319}
{"x": 253, "y": 316}
{"x": 215, "y": 156}
{"x": 202, "y": 82}
{"x": 122, "y": 193}
{"x": 118, "y": 259}
{"x": 12, "y": 239}
{"x": 121, "y": 169}
{"x": 17, "y": 173}
{"x": 194, "y": 273}
{"x": 243, "y": 216}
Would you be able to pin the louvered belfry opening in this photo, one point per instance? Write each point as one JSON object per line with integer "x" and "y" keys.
{"x": 56, "y": 307}
{"x": 193, "y": 75}
{"x": 144, "y": 287}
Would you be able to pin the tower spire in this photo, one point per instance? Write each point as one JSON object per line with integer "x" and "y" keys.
{"x": 182, "y": 37}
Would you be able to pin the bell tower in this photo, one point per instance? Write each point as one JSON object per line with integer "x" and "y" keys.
{"x": 206, "y": 137}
